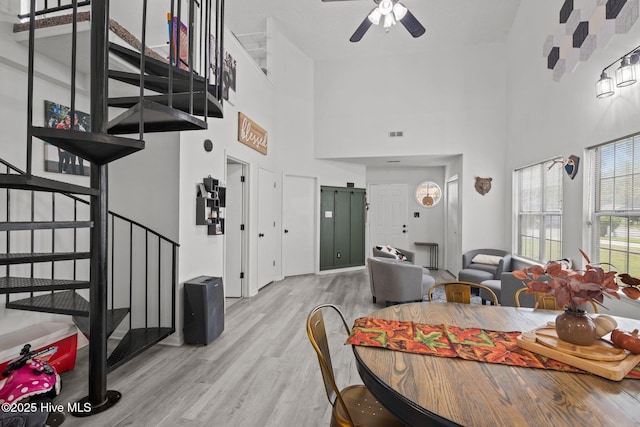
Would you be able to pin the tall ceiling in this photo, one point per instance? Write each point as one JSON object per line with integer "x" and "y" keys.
{"x": 322, "y": 29}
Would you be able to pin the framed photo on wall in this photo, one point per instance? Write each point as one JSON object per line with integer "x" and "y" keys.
{"x": 56, "y": 159}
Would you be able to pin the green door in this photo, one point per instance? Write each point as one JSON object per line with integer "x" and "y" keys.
{"x": 342, "y": 222}
{"x": 326, "y": 228}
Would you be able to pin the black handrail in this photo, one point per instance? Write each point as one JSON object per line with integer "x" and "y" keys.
{"x": 78, "y": 199}
{"x": 165, "y": 286}
{"x": 54, "y": 9}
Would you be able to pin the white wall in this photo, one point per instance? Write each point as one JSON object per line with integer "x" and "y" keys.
{"x": 281, "y": 104}
{"x": 292, "y": 74}
{"x": 446, "y": 103}
{"x": 546, "y": 119}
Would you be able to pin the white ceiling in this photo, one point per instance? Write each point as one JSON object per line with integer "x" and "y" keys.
{"x": 322, "y": 29}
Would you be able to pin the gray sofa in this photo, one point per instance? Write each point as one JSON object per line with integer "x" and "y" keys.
{"x": 393, "y": 280}
{"x": 509, "y": 286}
{"x": 478, "y": 273}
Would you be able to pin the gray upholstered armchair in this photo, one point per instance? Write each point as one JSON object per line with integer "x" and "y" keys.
{"x": 477, "y": 270}
{"x": 380, "y": 252}
{"x": 398, "y": 281}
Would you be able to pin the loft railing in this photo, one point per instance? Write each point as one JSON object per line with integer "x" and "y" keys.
{"x": 194, "y": 54}
{"x": 49, "y": 7}
{"x": 146, "y": 276}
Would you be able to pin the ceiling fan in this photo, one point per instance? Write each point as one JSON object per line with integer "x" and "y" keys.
{"x": 390, "y": 12}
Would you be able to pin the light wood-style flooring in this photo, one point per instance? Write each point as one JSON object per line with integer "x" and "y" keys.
{"x": 262, "y": 370}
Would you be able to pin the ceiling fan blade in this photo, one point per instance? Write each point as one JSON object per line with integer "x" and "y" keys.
{"x": 412, "y": 25}
{"x": 359, "y": 33}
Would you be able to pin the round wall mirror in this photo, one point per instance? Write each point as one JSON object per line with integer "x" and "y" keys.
{"x": 428, "y": 194}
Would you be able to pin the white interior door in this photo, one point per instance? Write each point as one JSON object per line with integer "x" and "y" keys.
{"x": 234, "y": 236}
{"x": 388, "y": 215}
{"x": 298, "y": 223}
{"x": 266, "y": 228}
{"x": 452, "y": 249}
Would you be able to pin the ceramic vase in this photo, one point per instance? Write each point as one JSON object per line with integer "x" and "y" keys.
{"x": 575, "y": 327}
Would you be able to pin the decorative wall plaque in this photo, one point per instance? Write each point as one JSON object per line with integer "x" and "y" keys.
{"x": 252, "y": 135}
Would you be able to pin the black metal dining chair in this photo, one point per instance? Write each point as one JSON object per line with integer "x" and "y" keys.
{"x": 354, "y": 405}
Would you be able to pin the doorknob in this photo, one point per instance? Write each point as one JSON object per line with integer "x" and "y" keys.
{"x": 286, "y": 231}
{"x": 261, "y": 235}
{"x": 404, "y": 231}
{"x": 404, "y": 225}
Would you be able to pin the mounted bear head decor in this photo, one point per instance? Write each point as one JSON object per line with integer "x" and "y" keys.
{"x": 483, "y": 185}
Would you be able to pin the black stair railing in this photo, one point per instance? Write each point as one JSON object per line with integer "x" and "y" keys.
{"x": 192, "y": 71}
{"x": 100, "y": 147}
{"x": 48, "y": 7}
{"x": 142, "y": 262}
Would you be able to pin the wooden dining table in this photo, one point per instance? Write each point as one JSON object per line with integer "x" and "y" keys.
{"x": 425, "y": 390}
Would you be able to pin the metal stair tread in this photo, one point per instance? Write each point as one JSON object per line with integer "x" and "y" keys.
{"x": 135, "y": 342}
{"x": 160, "y": 84}
{"x": 21, "y": 258}
{"x": 99, "y": 148}
{"x": 43, "y": 225}
{"x": 13, "y": 284}
{"x": 65, "y": 302}
{"x": 36, "y": 183}
{"x": 157, "y": 118}
{"x": 180, "y": 101}
{"x": 152, "y": 66}
{"x": 114, "y": 317}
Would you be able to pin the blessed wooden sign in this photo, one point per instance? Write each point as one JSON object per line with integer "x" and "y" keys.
{"x": 249, "y": 133}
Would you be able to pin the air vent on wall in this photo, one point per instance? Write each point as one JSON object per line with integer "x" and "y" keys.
{"x": 395, "y": 134}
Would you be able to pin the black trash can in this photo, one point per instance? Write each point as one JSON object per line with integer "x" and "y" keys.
{"x": 203, "y": 309}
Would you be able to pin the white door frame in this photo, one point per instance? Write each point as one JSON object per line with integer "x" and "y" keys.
{"x": 244, "y": 262}
{"x": 452, "y": 244}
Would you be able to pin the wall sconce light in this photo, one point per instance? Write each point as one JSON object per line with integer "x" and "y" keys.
{"x": 604, "y": 86}
{"x": 625, "y": 74}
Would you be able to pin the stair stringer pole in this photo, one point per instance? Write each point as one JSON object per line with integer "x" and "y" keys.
{"x": 99, "y": 398}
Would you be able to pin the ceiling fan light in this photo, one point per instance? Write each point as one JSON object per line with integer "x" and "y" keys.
{"x": 389, "y": 20}
{"x": 385, "y": 7}
{"x": 604, "y": 86}
{"x": 626, "y": 74}
{"x": 375, "y": 16}
{"x": 399, "y": 11}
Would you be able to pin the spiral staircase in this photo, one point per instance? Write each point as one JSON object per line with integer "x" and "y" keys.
{"x": 165, "y": 98}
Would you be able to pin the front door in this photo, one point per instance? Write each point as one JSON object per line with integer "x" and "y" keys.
{"x": 388, "y": 215}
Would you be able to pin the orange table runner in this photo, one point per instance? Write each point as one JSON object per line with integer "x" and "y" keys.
{"x": 452, "y": 341}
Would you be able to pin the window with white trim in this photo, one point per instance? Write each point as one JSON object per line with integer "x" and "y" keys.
{"x": 615, "y": 204}
{"x": 539, "y": 211}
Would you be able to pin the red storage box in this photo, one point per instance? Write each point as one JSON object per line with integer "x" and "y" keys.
{"x": 63, "y": 336}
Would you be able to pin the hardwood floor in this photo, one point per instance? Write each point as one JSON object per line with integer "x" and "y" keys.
{"x": 262, "y": 370}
